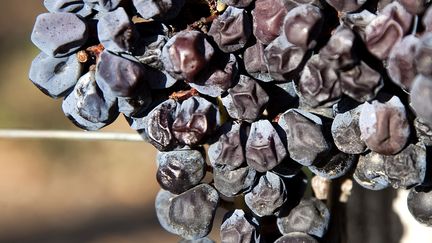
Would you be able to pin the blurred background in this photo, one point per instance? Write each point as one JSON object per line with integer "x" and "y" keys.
{"x": 103, "y": 192}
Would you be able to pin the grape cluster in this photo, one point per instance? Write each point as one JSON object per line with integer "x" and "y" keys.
{"x": 268, "y": 92}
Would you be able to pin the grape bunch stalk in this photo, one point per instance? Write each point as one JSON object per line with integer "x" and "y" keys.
{"x": 251, "y": 103}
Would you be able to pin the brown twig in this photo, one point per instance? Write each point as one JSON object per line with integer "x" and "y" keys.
{"x": 183, "y": 94}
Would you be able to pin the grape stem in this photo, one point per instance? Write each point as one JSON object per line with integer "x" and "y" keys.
{"x": 69, "y": 135}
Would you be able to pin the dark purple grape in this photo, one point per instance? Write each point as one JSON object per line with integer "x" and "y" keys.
{"x": 150, "y": 54}
{"x": 162, "y": 205}
{"x": 55, "y": 76}
{"x": 302, "y": 25}
{"x": 296, "y": 237}
{"x": 191, "y": 213}
{"x": 423, "y": 55}
{"x": 423, "y": 131}
{"x": 304, "y": 132}
{"x": 158, "y": 9}
{"x": 135, "y": 106}
{"x": 402, "y": 62}
{"x": 119, "y": 75}
{"x": 361, "y": 82}
{"x": 346, "y": 5}
{"x": 255, "y": 63}
{"x": 398, "y": 13}
{"x": 414, "y": 7}
{"x": 310, "y": 216}
{"x": 228, "y": 150}
{"x": 187, "y": 55}
{"x": 381, "y": 34}
{"x": 69, "y": 107}
{"x": 268, "y": 17}
{"x": 334, "y": 166}
{"x": 346, "y": 132}
{"x": 382, "y": 3}
{"x": 180, "y": 170}
{"x": 116, "y": 32}
{"x": 158, "y": 125}
{"x": 231, "y": 183}
{"x": 283, "y": 58}
{"x": 420, "y": 204}
{"x": 59, "y": 34}
{"x": 427, "y": 19}
{"x": 264, "y": 148}
{"x": 237, "y": 227}
{"x": 384, "y": 126}
{"x": 92, "y": 104}
{"x": 231, "y": 30}
{"x": 359, "y": 21}
{"x": 319, "y": 84}
{"x": 246, "y": 100}
{"x": 195, "y": 119}
{"x": 267, "y": 196}
{"x": 407, "y": 168}
{"x": 222, "y": 75}
{"x": 370, "y": 172}
{"x": 339, "y": 49}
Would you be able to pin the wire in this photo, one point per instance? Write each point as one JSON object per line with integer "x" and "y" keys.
{"x": 69, "y": 135}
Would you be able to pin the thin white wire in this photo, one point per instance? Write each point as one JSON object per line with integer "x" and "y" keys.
{"x": 415, "y": 25}
{"x": 69, "y": 135}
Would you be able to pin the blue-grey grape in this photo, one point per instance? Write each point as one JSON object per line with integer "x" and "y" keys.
{"x": 55, "y": 76}
{"x": 231, "y": 30}
{"x": 92, "y": 104}
{"x": 419, "y": 204}
{"x": 228, "y": 150}
{"x": 158, "y": 125}
{"x": 310, "y": 216}
{"x": 195, "y": 119}
{"x": 59, "y": 34}
{"x": 246, "y": 100}
{"x": 238, "y": 227}
{"x": 71, "y": 6}
{"x": 267, "y": 196}
{"x": 296, "y": 237}
{"x": 191, "y": 213}
{"x": 232, "y": 182}
{"x": 264, "y": 148}
{"x": 158, "y": 9}
{"x": 119, "y": 75}
{"x": 180, "y": 170}
{"x": 116, "y": 32}
{"x": 304, "y": 132}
